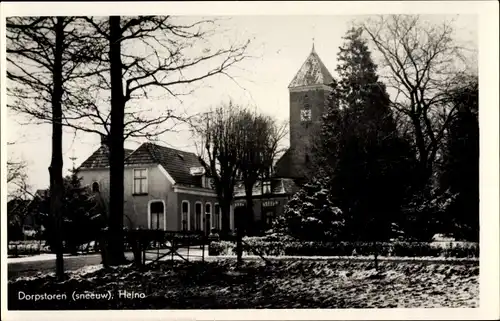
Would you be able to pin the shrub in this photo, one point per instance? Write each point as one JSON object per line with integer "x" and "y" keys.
{"x": 82, "y": 215}
{"x": 220, "y": 248}
{"x": 311, "y": 215}
{"x": 255, "y": 245}
{"x": 32, "y": 247}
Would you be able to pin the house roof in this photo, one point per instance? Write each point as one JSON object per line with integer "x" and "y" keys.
{"x": 17, "y": 205}
{"x": 100, "y": 158}
{"x": 279, "y": 186}
{"x": 312, "y": 72}
{"x": 283, "y": 165}
{"x": 176, "y": 162}
{"x": 41, "y": 193}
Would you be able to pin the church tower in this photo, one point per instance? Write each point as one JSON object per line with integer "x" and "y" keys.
{"x": 309, "y": 92}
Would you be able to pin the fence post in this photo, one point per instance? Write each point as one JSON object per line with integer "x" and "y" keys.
{"x": 188, "y": 246}
{"x": 143, "y": 247}
{"x": 172, "y": 249}
{"x": 203, "y": 250}
{"x": 103, "y": 246}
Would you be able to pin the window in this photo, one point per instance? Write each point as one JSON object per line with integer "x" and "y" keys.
{"x": 306, "y": 102}
{"x": 307, "y": 159}
{"x": 208, "y": 217}
{"x": 197, "y": 219}
{"x": 204, "y": 182}
{"x": 207, "y": 182}
{"x": 157, "y": 215}
{"x": 270, "y": 216}
{"x": 140, "y": 181}
{"x": 217, "y": 217}
{"x": 266, "y": 187}
{"x": 185, "y": 216}
{"x": 95, "y": 187}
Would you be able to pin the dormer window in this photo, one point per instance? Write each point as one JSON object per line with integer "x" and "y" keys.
{"x": 197, "y": 171}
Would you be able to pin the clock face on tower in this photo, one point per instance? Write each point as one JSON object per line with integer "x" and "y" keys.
{"x": 305, "y": 115}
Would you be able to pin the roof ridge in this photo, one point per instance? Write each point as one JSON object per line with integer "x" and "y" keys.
{"x": 132, "y": 152}
{"x": 173, "y": 149}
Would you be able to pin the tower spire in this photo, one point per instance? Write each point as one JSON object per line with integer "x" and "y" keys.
{"x": 73, "y": 158}
{"x": 313, "y": 32}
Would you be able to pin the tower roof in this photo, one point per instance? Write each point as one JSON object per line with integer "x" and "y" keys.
{"x": 312, "y": 72}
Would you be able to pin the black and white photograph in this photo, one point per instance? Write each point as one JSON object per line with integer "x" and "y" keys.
{"x": 204, "y": 157}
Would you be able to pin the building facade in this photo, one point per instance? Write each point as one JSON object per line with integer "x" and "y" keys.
{"x": 167, "y": 189}
{"x": 164, "y": 188}
{"x": 269, "y": 198}
{"x": 309, "y": 92}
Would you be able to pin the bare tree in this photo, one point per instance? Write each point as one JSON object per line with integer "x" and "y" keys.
{"x": 42, "y": 54}
{"x": 220, "y": 134}
{"x": 129, "y": 58}
{"x": 167, "y": 61}
{"x": 273, "y": 147}
{"x": 421, "y": 62}
{"x": 260, "y": 139}
{"x": 16, "y": 170}
{"x": 237, "y": 145}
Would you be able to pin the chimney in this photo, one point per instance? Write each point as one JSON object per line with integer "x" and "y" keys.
{"x": 104, "y": 140}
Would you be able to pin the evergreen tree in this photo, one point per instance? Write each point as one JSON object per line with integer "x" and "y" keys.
{"x": 368, "y": 162}
{"x": 311, "y": 215}
{"x": 82, "y": 216}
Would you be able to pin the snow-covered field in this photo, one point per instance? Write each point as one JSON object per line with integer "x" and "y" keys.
{"x": 286, "y": 283}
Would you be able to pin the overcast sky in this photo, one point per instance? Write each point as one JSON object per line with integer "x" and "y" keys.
{"x": 280, "y": 44}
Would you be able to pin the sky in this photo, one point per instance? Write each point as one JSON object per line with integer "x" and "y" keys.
{"x": 279, "y": 46}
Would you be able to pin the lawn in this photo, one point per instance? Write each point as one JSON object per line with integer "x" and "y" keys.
{"x": 284, "y": 284}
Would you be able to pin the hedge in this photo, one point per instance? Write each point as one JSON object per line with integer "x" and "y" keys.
{"x": 31, "y": 247}
{"x": 252, "y": 245}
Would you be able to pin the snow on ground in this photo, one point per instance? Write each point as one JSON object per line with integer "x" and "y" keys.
{"x": 70, "y": 274}
{"x": 291, "y": 283}
{"x": 40, "y": 257}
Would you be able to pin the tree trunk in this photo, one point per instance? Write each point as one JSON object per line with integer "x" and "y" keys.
{"x": 225, "y": 226}
{"x": 56, "y": 164}
{"x": 239, "y": 245}
{"x": 249, "y": 210}
{"x": 116, "y": 150}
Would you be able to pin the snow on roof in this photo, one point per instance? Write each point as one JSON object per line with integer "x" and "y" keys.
{"x": 312, "y": 72}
